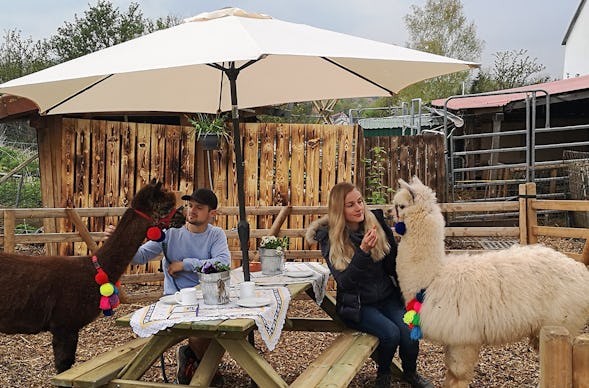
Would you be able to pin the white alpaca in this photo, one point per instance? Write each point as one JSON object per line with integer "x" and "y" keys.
{"x": 491, "y": 298}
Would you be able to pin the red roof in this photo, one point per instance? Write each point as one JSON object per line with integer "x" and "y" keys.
{"x": 507, "y": 95}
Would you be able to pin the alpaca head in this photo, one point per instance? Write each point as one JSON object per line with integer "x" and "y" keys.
{"x": 154, "y": 201}
{"x": 414, "y": 200}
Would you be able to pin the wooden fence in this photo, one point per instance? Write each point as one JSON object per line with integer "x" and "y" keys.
{"x": 94, "y": 164}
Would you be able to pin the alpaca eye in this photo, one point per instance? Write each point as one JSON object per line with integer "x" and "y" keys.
{"x": 401, "y": 207}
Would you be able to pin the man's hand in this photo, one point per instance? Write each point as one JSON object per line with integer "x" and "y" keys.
{"x": 109, "y": 230}
{"x": 175, "y": 266}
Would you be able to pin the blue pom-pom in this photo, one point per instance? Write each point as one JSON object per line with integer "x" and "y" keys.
{"x": 400, "y": 228}
{"x": 107, "y": 313}
{"x": 415, "y": 333}
{"x": 162, "y": 237}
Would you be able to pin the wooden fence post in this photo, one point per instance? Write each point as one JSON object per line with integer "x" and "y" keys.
{"x": 556, "y": 356}
{"x": 531, "y": 214}
{"x": 9, "y": 227}
{"x": 523, "y": 215}
{"x": 581, "y": 361}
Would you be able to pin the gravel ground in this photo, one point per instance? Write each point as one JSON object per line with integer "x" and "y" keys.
{"x": 27, "y": 360}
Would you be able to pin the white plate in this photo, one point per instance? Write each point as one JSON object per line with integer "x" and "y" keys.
{"x": 253, "y": 302}
{"x": 168, "y": 299}
{"x": 298, "y": 274}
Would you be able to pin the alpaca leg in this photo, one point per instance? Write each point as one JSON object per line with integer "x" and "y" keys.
{"x": 64, "y": 343}
{"x": 460, "y": 362}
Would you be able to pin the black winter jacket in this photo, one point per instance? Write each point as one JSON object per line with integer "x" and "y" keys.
{"x": 372, "y": 281}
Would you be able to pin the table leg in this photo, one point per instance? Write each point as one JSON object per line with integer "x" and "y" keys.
{"x": 208, "y": 365}
{"x": 254, "y": 365}
{"x": 145, "y": 358}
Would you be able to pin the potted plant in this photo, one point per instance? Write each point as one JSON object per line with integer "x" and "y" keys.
{"x": 209, "y": 130}
{"x": 271, "y": 250}
{"x": 215, "y": 281}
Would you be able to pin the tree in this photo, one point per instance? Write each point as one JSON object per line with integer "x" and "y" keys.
{"x": 441, "y": 28}
{"x": 510, "y": 69}
{"x": 21, "y": 56}
{"x": 103, "y": 25}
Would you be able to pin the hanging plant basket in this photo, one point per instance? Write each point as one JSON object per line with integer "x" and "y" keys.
{"x": 210, "y": 141}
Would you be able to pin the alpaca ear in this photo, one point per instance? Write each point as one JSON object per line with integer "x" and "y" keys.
{"x": 416, "y": 180}
{"x": 403, "y": 184}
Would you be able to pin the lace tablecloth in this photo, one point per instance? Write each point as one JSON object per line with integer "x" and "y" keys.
{"x": 319, "y": 274}
{"x": 269, "y": 319}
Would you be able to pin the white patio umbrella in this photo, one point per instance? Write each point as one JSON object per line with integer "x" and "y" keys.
{"x": 215, "y": 61}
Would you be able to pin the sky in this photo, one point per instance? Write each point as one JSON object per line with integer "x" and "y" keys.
{"x": 538, "y": 26}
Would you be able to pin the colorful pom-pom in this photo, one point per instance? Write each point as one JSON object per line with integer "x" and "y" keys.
{"x": 416, "y": 306}
{"x": 420, "y": 295}
{"x": 415, "y": 334}
{"x": 154, "y": 233}
{"x": 101, "y": 276}
{"x": 107, "y": 312}
{"x": 408, "y": 317}
{"x": 114, "y": 300}
{"x": 104, "y": 303}
{"x": 400, "y": 228}
{"x": 107, "y": 289}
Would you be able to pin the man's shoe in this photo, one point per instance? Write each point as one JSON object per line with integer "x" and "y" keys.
{"x": 218, "y": 380}
{"x": 382, "y": 381}
{"x": 186, "y": 364}
{"x": 417, "y": 381}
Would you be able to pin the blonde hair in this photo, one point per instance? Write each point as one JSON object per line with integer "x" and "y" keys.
{"x": 341, "y": 248}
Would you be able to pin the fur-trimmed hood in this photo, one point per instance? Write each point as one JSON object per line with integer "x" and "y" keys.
{"x": 317, "y": 230}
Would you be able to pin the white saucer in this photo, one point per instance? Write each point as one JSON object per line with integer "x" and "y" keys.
{"x": 168, "y": 299}
{"x": 253, "y": 302}
{"x": 298, "y": 274}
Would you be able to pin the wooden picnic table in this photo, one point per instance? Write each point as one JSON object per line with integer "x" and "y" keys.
{"x": 125, "y": 365}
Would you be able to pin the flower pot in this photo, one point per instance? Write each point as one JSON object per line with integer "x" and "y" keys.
{"x": 215, "y": 287}
{"x": 255, "y": 266}
{"x": 272, "y": 261}
{"x": 210, "y": 141}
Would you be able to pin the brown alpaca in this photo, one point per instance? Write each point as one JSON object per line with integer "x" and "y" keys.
{"x": 59, "y": 293}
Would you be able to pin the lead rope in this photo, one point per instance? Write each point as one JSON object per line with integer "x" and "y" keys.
{"x": 162, "y": 360}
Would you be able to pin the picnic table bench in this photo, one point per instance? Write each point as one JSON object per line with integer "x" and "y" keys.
{"x": 124, "y": 365}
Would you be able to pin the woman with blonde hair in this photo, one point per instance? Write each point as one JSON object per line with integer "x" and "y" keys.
{"x": 360, "y": 250}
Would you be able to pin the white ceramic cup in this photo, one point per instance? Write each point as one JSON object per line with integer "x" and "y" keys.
{"x": 187, "y": 296}
{"x": 246, "y": 290}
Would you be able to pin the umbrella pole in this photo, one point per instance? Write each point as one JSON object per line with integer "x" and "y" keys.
{"x": 243, "y": 227}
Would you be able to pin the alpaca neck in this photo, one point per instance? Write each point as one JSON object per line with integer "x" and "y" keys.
{"x": 116, "y": 253}
{"x": 422, "y": 249}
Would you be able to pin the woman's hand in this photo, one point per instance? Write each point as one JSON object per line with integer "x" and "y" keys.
{"x": 109, "y": 230}
{"x": 369, "y": 240}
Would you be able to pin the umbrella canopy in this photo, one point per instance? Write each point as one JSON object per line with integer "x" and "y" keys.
{"x": 195, "y": 66}
{"x": 169, "y": 70}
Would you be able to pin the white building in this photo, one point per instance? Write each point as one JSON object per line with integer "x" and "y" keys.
{"x": 576, "y": 43}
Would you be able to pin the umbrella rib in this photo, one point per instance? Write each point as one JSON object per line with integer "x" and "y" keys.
{"x": 358, "y": 75}
{"x": 77, "y": 93}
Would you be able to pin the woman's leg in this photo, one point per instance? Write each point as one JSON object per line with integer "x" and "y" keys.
{"x": 408, "y": 348}
{"x": 374, "y": 322}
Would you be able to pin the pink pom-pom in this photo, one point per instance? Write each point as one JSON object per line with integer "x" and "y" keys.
{"x": 154, "y": 233}
{"x": 104, "y": 303}
{"x": 417, "y": 306}
{"x": 101, "y": 277}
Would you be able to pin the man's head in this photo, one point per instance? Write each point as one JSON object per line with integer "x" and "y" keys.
{"x": 201, "y": 209}
{"x": 203, "y": 197}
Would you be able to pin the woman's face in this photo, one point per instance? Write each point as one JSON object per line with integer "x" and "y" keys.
{"x": 354, "y": 207}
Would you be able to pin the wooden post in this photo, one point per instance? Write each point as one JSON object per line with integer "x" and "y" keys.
{"x": 280, "y": 218}
{"x": 82, "y": 230}
{"x": 531, "y": 214}
{"x": 555, "y": 358}
{"x": 9, "y": 227}
{"x": 523, "y": 215}
{"x": 581, "y": 361}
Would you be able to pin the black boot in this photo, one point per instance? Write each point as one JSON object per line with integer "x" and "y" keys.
{"x": 382, "y": 381}
{"x": 417, "y": 381}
